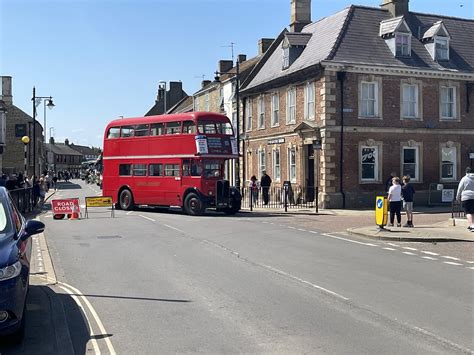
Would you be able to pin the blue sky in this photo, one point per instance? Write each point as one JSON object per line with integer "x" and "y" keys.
{"x": 101, "y": 59}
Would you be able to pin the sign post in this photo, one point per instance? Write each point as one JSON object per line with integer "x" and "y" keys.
{"x": 381, "y": 211}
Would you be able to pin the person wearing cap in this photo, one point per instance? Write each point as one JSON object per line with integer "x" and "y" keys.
{"x": 265, "y": 183}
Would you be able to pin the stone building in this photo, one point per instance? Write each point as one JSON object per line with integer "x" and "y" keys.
{"x": 341, "y": 102}
{"x": 63, "y": 157}
{"x": 19, "y": 124}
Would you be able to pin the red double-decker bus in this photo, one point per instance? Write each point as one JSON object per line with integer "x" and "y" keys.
{"x": 170, "y": 160}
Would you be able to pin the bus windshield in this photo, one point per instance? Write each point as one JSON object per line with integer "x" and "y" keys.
{"x": 209, "y": 127}
{"x": 212, "y": 168}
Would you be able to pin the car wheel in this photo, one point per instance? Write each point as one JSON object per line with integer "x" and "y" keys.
{"x": 193, "y": 205}
{"x": 126, "y": 200}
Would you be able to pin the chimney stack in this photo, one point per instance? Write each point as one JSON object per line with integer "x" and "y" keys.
{"x": 6, "y": 87}
{"x": 225, "y": 66}
{"x": 241, "y": 58}
{"x": 264, "y": 44}
{"x": 300, "y": 14}
{"x": 66, "y": 141}
{"x": 396, "y": 7}
{"x": 205, "y": 83}
{"x": 51, "y": 140}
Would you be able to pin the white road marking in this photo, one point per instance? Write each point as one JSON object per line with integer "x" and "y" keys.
{"x": 470, "y": 267}
{"x": 429, "y": 252}
{"x": 428, "y": 258}
{"x": 408, "y": 248}
{"x": 450, "y": 257}
{"x": 150, "y": 219}
{"x": 302, "y": 230}
{"x": 391, "y": 249}
{"x": 94, "y": 314}
{"x": 289, "y": 227}
{"x": 408, "y": 253}
{"x": 393, "y": 245}
{"x": 348, "y": 240}
{"x": 305, "y": 282}
{"x": 451, "y": 263}
{"x": 470, "y": 262}
{"x": 129, "y": 213}
{"x": 176, "y": 229}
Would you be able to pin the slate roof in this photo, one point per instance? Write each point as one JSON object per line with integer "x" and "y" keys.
{"x": 61, "y": 148}
{"x": 298, "y": 38}
{"x": 185, "y": 105}
{"x": 85, "y": 150}
{"x": 352, "y": 36}
{"x": 244, "y": 69}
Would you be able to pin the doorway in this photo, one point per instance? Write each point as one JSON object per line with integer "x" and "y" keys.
{"x": 309, "y": 188}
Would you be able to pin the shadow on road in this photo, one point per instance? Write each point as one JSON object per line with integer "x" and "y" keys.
{"x": 47, "y": 331}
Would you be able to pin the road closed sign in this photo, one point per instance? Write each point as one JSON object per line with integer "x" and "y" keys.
{"x": 66, "y": 206}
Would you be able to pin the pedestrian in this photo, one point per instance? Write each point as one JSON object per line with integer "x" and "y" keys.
{"x": 42, "y": 190}
{"x": 395, "y": 201}
{"x": 265, "y": 183}
{"x": 407, "y": 195}
{"x": 465, "y": 195}
{"x": 253, "y": 185}
{"x": 388, "y": 182}
{"x": 36, "y": 190}
{"x": 55, "y": 181}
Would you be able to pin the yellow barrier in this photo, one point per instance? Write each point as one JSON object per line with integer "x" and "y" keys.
{"x": 381, "y": 211}
{"x": 101, "y": 201}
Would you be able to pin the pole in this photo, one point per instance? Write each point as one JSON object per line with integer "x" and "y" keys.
{"x": 237, "y": 96}
{"x": 26, "y": 162}
{"x": 34, "y": 131}
{"x": 44, "y": 120}
{"x": 165, "y": 99}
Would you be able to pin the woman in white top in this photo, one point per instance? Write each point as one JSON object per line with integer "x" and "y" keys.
{"x": 395, "y": 199}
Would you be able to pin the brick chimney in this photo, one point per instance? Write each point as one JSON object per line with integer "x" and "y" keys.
{"x": 264, "y": 44}
{"x": 396, "y": 7}
{"x": 225, "y": 65}
{"x": 205, "y": 83}
{"x": 300, "y": 14}
{"x": 6, "y": 90}
{"x": 66, "y": 141}
{"x": 51, "y": 140}
{"x": 241, "y": 58}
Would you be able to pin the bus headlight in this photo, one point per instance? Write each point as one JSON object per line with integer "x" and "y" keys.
{"x": 210, "y": 193}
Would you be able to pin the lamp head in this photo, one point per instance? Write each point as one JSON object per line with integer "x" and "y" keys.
{"x": 50, "y": 103}
{"x": 25, "y": 140}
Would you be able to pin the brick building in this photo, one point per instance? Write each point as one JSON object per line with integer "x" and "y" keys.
{"x": 377, "y": 89}
{"x": 19, "y": 124}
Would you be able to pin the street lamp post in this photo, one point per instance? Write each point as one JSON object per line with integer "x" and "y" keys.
{"x": 50, "y": 105}
{"x": 163, "y": 85}
{"x": 26, "y": 140}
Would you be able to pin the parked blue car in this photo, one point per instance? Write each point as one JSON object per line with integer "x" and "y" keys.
{"x": 15, "y": 256}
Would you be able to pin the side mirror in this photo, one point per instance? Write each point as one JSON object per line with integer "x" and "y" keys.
{"x": 32, "y": 227}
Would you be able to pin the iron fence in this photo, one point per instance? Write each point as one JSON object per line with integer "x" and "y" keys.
{"x": 456, "y": 210}
{"x": 23, "y": 199}
{"x": 285, "y": 197}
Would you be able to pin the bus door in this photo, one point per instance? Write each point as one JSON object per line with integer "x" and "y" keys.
{"x": 191, "y": 173}
{"x": 172, "y": 184}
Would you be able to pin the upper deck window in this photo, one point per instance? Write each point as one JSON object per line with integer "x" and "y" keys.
{"x": 224, "y": 128}
{"x": 157, "y": 129}
{"x": 127, "y": 131}
{"x": 215, "y": 128}
{"x": 142, "y": 130}
{"x": 114, "y": 132}
{"x": 189, "y": 127}
{"x": 207, "y": 128}
{"x": 173, "y": 128}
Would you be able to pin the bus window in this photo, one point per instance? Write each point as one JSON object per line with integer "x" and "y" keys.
{"x": 212, "y": 169}
{"x": 127, "y": 131}
{"x": 196, "y": 168}
{"x": 224, "y": 128}
{"x": 186, "y": 169}
{"x": 139, "y": 169}
{"x": 173, "y": 128}
{"x": 141, "y": 130}
{"x": 171, "y": 169}
{"x": 157, "y": 129}
{"x": 155, "y": 170}
{"x": 125, "y": 169}
{"x": 189, "y": 127}
{"x": 114, "y": 132}
{"x": 207, "y": 128}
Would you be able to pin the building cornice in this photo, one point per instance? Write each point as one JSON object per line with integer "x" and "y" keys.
{"x": 393, "y": 130}
{"x": 397, "y": 71}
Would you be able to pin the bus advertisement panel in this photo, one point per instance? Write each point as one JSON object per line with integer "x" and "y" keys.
{"x": 170, "y": 160}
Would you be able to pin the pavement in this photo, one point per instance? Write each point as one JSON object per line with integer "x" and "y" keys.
{"x": 47, "y": 326}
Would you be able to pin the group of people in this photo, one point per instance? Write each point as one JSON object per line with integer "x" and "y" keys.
{"x": 403, "y": 192}
{"x": 264, "y": 184}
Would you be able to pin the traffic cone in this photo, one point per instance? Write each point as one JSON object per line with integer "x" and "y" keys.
{"x": 74, "y": 214}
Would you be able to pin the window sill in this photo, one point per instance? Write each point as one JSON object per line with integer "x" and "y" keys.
{"x": 447, "y": 119}
{"x": 275, "y": 125}
{"x": 290, "y": 123}
{"x": 370, "y": 118}
{"x": 367, "y": 182}
{"x": 419, "y": 119}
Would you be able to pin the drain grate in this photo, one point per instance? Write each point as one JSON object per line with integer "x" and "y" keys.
{"x": 109, "y": 236}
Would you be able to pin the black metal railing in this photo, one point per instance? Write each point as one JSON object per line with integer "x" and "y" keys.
{"x": 23, "y": 199}
{"x": 456, "y": 210}
{"x": 284, "y": 197}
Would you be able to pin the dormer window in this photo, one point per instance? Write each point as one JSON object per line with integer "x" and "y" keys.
{"x": 293, "y": 45}
{"x": 403, "y": 44}
{"x": 442, "y": 48}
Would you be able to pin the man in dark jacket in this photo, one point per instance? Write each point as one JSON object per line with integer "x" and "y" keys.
{"x": 265, "y": 183}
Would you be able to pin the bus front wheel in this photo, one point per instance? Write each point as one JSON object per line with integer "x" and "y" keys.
{"x": 126, "y": 200}
{"x": 193, "y": 205}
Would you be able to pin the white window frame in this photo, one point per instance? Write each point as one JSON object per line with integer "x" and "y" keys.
{"x": 276, "y": 161}
{"x": 286, "y": 57}
{"x": 275, "y": 110}
{"x": 196, "y": 104}
{"x": 261, "y": 112}
{"x": 248, "y": 115}
{"x": 309, "y": 101}
{"x": 416, "y": 148}
{"x": 402, "y": 49}
{"x": 376, "y": 163}
{"x": 441, "y": 41}
{"x": 454, "y": 162}
{"x": 444, "y": 102}
{"x": 291, "y": 105}
{"x": 206, "y": 103}
{"x": 413, "y": 101}
{"x": 261, "y": 160}
{"x": 366, "y": 101}
{"x": 292, "y": 164}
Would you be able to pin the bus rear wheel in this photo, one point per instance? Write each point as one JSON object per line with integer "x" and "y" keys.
{"x": 193, "y": 205}
{"x": 126, "y": 200}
